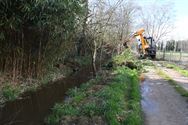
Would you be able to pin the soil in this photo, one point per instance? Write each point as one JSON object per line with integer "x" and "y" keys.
{"x": 161, "y": 104}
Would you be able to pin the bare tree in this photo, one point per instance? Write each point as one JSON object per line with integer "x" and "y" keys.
{"x": 157, "y": 20}
{"x": 125, "y": 21}
{"x": 100, "y": 17}
{"x": 108, "y": 24}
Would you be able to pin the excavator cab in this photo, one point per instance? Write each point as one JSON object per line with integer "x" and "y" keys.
{"x": 151, "y": 50}
{"x": 146, "y": 45}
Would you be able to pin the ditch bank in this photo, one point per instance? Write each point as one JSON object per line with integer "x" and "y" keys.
{"x": 32, "y": 108}
{"x": 113, "y": 98}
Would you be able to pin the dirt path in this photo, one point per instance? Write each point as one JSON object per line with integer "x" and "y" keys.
{"x": 161, "y": 104}
{"x": 180, "y": 79}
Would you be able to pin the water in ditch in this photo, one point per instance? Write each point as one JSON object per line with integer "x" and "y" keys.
{"x": 35, "y": 106}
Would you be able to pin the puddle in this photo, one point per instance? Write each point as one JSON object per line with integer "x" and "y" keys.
{"x": 149, "y": 105}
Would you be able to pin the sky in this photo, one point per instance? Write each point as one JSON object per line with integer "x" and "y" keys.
{"x": 181, "y": 23}
{"x": 180, "y": 19}
{"x": 180, "y": 31}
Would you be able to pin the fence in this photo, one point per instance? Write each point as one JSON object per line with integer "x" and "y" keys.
{"x": 171, "y": 56}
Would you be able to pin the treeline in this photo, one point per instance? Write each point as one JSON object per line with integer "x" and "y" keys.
{"x": 173, "y": 45}
{"x": 36, "y": 33}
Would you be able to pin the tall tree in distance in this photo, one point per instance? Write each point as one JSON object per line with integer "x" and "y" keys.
{"x": 157, "y": 19}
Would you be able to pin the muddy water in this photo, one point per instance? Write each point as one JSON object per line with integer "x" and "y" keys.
{"x": 148, "y": 104}
{"x": 36, "y": 105}
{"x": 161, "y": 104}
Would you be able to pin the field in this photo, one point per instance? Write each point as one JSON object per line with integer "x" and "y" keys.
{"x": 175, "y": 57}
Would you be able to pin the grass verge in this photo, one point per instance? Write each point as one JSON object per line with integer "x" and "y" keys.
{"x": 116, "y": 102}
{"x": 178, "y": 88}
{"x": 178, "y": 69}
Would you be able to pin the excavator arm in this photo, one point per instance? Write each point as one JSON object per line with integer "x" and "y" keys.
{"x": 146, "y": 48}
{"x": 144, "y": 43}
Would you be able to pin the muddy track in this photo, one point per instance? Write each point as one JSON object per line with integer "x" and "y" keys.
{"x": 161, "y": 104}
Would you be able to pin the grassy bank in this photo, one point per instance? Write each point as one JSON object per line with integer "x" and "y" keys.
{"x": 11, "y": 90}
{"x": 178, "y": 88}
{"x": 115, "y": 102}
{"x": 178, "y": 69}
{"x": 113, "y": 98}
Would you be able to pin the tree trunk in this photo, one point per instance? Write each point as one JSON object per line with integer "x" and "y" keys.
{"x": 80, "y": 45}
{"x": 164, "y": 51}
{"x": 170, "y": 56}
{"x": 180, "y": 55}
{"x": 94, "y": 58}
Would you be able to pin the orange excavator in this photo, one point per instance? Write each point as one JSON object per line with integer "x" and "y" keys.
{"x": 146, "y": 45}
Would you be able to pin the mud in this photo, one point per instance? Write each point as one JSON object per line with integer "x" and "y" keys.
{"x": 161, "y": 104}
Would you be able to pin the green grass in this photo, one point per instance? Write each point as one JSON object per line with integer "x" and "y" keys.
{"x": 118, "y": 102}
{"x": 178, "y": 88}
{"x": 178, "y": 69}
{"x": 10, "y": 93}
{"x": 91, "y": 109}
{"x": 60, "y": 110}
{"x": 128, "y": 56}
